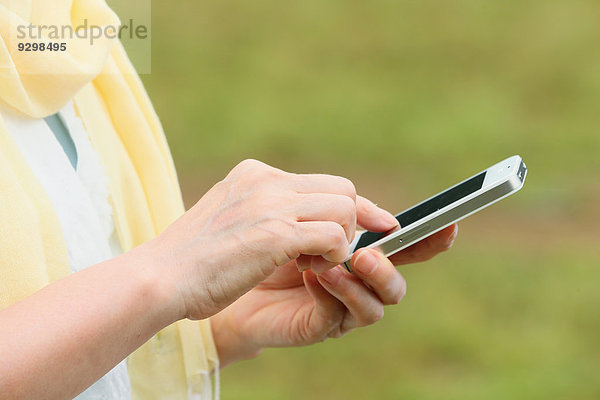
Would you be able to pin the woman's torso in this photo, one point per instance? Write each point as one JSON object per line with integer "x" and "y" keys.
{"x": 77, "y": 188}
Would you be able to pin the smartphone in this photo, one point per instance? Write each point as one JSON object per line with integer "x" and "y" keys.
{"x": 446, "y": 208}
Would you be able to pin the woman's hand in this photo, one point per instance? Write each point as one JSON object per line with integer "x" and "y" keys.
{"x": 255, "y": 220}
{"x": 294, "y": 309}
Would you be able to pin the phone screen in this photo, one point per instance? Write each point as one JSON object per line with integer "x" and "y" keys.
{"x": 427, "y": 207}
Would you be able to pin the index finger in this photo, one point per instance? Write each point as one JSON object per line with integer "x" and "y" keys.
{"x": 373, "y": 218}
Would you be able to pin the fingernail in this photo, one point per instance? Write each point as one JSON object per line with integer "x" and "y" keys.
{"x": 332, "y": 276}
{"x": 366, "y": 263}
{"x": 387, "y": 217}
{"x": 455, "y": 234}
{"x": 319, "y": 265}
{"x": 452, "y": 237}
{"x": 403, "y": 290}
{"x": 302, "y": 268}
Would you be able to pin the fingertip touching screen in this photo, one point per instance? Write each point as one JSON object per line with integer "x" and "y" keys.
{"x": 428, "y": 207}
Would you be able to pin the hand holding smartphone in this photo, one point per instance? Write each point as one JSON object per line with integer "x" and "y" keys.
{"x": 444, "y": 209}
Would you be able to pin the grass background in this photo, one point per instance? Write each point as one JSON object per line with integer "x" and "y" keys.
{"x": 406, "y": 98}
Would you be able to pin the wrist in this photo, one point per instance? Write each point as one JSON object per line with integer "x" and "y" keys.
{"x": 152, "y": 279}
{"x": 231, "y": 346}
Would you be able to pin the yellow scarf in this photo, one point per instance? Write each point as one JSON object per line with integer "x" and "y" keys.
{"x": 126, "y": 133}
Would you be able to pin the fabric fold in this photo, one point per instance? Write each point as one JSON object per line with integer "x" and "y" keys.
{"x": 39, "y": 83}
{"x": 126, "y": 133}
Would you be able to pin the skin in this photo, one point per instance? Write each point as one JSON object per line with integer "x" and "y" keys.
{"x": 293, "y": 308}
{"x": 257, "y": 253}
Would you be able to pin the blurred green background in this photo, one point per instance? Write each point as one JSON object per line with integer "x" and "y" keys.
{"x": 407, "y": 98}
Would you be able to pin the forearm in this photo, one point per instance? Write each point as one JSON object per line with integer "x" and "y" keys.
{"x": 230, "y": 346}
{"x": 63, "y": 338}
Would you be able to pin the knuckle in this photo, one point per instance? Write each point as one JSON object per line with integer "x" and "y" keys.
{"x": 256, "y": 174}
{"x": 282, "y": 229}
{"x": 348, "y": 186}
{"x": 347, "y": 216}
{"x": 278, "y": 237}
{"x": 249, "y": 163}
{"x": 269, "y": 172}
{"x": 290, "y": 239}
{"x": 259, "y": 168}
{"x": 338, "y": 236}
{"x": 349, "y": 208}
{"x": 222, "y": 186}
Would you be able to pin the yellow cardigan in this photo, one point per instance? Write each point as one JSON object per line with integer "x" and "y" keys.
{"x": 145, "y": 196}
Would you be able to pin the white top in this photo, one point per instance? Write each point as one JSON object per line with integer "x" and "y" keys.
{"x": 81, "y": 200}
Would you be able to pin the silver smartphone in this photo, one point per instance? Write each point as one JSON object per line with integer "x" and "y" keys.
{"x": 446, "y": 208}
